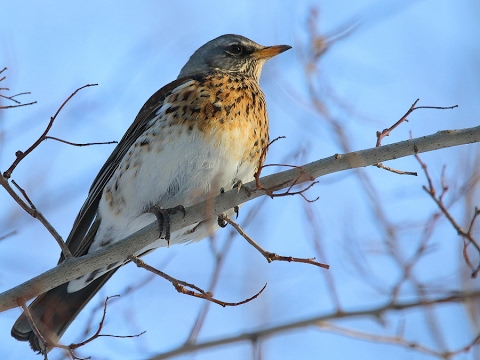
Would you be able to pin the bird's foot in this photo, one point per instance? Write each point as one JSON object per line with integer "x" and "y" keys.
{"x": 238, "y": 185}
{"x": 221, "y": 221}
{"x": 163, "y": 218}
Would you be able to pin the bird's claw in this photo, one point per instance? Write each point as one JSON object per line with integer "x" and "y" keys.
{"x": 221, "y": 221}
{"x": 238, "y": 185}
{"x": 163, "y": 218}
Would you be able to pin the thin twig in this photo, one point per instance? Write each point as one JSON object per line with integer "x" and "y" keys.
{"x": 20, "y": 155}
{"x": 3, "y": 107}
{"x": 395, "y": 340}
{"x": 97, "y": 334}
{"x": 12, "y": 97}
{"x": 33, "y": 211}
{"x": 395, "y": 171}
{"x": 81, "y": 144}
{"x": 182, "y": 286}
{"x": 11, "y": 233}
{"x": 466, "y": 235}
{"x": 300, "y": 178}
{"x": 314, "y": 227}
{"x": 261, "y": 161}
{"x": 386, "y": 132}
{"x": 474, "y": 218}
{"x": 266, "y": 254}
{"x": 28, "y": 315}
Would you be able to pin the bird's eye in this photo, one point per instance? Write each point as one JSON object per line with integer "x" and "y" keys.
{"x": 234, "y": 49}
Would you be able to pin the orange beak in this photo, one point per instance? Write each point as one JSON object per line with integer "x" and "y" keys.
{"x": 270, "y": 51}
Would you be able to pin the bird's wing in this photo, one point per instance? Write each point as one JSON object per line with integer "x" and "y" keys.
{"x": 56, "y": 309}
{"x": 77, "y": 241}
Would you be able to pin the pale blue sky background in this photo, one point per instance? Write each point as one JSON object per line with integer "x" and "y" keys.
{"x": 401, "y": 51}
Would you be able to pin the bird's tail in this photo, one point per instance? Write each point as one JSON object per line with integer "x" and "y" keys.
{"x": 53, "y": 312}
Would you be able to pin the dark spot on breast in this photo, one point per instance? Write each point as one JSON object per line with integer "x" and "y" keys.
{"x": 172, "y": 109}
{"x": 228, "y": 108}
{"x": 216, "y": 108}
{"x": 190, "y": 127}
{"x": 144, "y": 142}
{"x": 186, "y": 94}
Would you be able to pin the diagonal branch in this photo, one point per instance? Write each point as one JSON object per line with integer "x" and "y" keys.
{"x": 75, "y": 267}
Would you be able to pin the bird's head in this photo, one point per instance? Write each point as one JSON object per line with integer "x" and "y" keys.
{"x": 231, "y": 53}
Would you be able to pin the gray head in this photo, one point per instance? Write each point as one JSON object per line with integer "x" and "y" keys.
{"x": 231, "y": 53}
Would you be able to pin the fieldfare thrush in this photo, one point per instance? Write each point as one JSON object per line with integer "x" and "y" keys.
{"x": 203, "y": 132}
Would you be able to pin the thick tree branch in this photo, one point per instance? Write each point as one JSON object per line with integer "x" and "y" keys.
{"x": 75, "y": 267}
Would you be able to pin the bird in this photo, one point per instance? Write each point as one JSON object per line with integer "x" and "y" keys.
{"x": 203, "y": 132}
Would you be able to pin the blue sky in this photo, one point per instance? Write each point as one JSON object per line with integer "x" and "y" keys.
{"x": 401, "y": 51}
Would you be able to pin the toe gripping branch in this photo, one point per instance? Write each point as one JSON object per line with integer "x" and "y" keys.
{"x": 163, "y": 218}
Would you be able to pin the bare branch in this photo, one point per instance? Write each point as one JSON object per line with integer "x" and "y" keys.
{"x": 262, "y": 159}
{"x": 20, "y": 155}
{"x": 81, "y": 144}
{"x": 33, "y": 211}
{"x": 386, "y": 132}
{"x": 11, "y": 233}
{"x": 12, "y": 97}
{"x": 3, "y": 107}
{"x": 466, "y": 235}
{"x": 395, "y": 171}
{"x": 219, "y": 261}
{"x": 97, "y": 334}
{"x": 394, "y": 340}
{"x": 376, "y": 312}
{"x": 182, "y": 286}
{"x": 75, "y": 267}
{"x": 22, "y": 302}
{"x": 266, "y": 254}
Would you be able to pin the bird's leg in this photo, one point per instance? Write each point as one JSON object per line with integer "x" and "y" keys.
{"x": 220, "y": 221}
{"x": 237, "y": 185}
{"x": 163, "y": 218}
